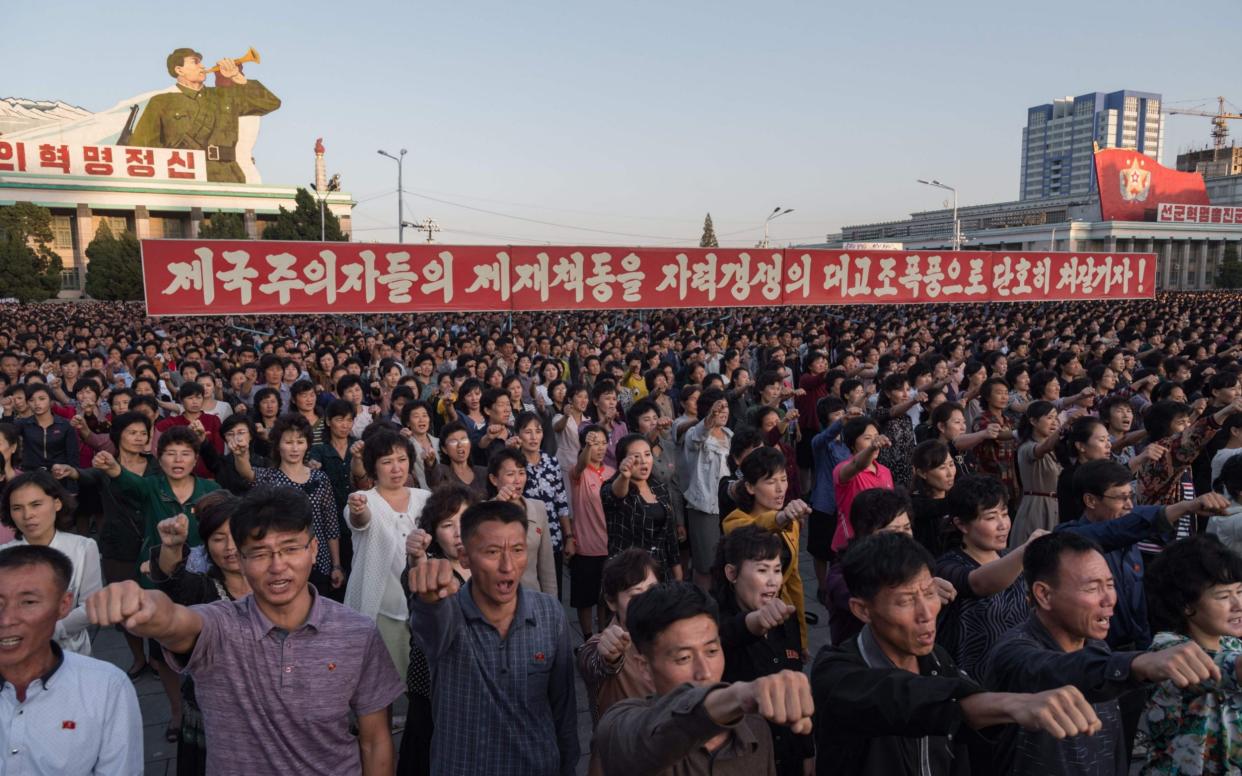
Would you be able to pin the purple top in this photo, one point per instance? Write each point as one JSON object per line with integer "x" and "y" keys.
{"x": 278, "y": 702}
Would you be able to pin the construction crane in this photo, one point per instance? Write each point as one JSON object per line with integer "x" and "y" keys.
{"x": 1220, "y": 130}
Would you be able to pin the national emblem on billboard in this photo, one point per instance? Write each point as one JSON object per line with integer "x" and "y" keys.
{"x": 1135, "y": 182}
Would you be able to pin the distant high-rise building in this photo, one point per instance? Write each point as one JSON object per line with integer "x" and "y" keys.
{"x": 1059, "y": 138}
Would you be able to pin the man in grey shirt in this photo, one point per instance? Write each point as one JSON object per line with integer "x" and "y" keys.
{"x": 278, "y": 673}
{"x": 695, "y": 724}
{"x": 503, "y": 696}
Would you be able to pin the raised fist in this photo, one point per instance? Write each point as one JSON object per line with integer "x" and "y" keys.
{"x": 105, "y": 462}
{"x": 416, "y": 544}
{"x": 769, "y": 616}
{"x": 357, "y": 503}
{"x": 122, "y": 603}
{"x": 794, "y": 510}
{"x": 612, "y": 643}
{"x": 433, "y": 580}
{"x": 174, "y": 530}
{"x": 782, "y": 698}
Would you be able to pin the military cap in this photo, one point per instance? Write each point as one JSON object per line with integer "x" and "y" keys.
{"x": 177, "y": 59}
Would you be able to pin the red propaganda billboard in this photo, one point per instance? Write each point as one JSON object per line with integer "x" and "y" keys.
{"x": 231, "y": 277}
{"x": 1132, "y": 184}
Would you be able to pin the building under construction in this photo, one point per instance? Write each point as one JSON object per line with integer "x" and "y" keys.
{"x": 1212, "y": 162}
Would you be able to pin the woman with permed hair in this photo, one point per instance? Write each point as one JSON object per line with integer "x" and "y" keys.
{"x": 1194, "y": 593}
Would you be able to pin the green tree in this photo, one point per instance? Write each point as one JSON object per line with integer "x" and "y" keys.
{"x": 709, "y": 234}
{"x": 302, "y": 223}
{"x": 224, "y": 226}
{"x": 115, "y": 268}
{"x": 1230, "y": 273}
{"x": 29, "y": 268}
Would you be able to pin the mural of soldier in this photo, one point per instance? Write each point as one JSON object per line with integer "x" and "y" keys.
{"x": 203, "y": 118}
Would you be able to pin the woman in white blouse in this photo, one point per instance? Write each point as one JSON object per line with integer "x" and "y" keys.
{"x": 33, "y": 504}
{"x": 380, "y": 519}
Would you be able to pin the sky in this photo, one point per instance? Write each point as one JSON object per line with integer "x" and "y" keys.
{"x": 625, "y": 123}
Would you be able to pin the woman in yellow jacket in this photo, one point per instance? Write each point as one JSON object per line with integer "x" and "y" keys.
{"x": 759, "y": 496}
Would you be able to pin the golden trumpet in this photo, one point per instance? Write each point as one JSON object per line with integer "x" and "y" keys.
{"x": 250, "y": 56}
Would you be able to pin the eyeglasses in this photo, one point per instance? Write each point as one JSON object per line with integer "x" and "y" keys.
{"x": 1128, "y": 498}
{"x": 263, "y": 557}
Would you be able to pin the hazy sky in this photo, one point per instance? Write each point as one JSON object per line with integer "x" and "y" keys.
{"x": 636, "y": 118}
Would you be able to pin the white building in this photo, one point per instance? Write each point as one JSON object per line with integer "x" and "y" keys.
{"x": 148, "y": 208}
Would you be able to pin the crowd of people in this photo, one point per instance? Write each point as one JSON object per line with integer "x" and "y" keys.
{"x": 1024, "y": 524}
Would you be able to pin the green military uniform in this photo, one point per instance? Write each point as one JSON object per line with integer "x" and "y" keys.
{"x": 205, "y": 120}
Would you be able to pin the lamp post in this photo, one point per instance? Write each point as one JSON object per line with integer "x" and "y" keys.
{"x": 776, "y": 213}
{"x": 957, "y": 233}
{"x": 400, "y": 193}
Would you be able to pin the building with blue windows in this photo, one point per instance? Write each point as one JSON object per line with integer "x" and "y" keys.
{"x": 1059, "y": 139}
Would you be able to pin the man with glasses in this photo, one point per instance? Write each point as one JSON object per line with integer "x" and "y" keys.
{"x": 1111, "y": 520}
{"x": 278, "y": 673}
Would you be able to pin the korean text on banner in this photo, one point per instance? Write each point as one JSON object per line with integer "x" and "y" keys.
{"x": 228, "y": 277}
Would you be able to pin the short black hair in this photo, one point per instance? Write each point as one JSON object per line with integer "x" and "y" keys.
{"x": 44, "y": 480}
{"x": 1160, "y": 417}
{"x": 124, "y": 421}
{"x": 300, "y": 387}
{"x": 973, "y": 493}
{"x": 750, "y": 542}
{"x": 761, "y": 464}
{"x": 882, "y": 560}
{"x": 383, "y": 442}
{"x": 1231, "y": 476}
{"x": 625, "y": 443}
{"x": 707, "y": 399}
{"x": 443, "y": 503}
{"x": 214, "y": 510}
{"x": 1096, "y": 477}
{"x": 190, "y": 388}
{"x": 874, "y": 508}
{"x": 339, "y": 408}
{"x": 744, "y": 438}
{"x": 177, "y": 435}
{"x": 854, "y": 428}
{"x": 929, "y": 454}
{"x": 1041, "y": 560}
{"x": 652, "y": 612}
{"x": 487, "y": 511}
{"x": 270, "y": 508}
{"x": 640, "y": 408}
{"x": 21, "y": 555}
{"x": 626, "y": 569}
{"x": 294, "y": 422}
{"x": 1181, "y": 573}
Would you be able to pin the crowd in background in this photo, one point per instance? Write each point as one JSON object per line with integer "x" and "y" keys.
{"x": 1023, "y": 522}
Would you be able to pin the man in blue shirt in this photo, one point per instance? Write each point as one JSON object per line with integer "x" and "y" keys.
{"x": 1110, "y": 519}
{"x": 503, "y": 697}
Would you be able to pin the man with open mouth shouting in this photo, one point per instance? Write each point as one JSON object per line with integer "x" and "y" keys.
{"x": 278, "y": 673}
{"x": 499, "y": 653}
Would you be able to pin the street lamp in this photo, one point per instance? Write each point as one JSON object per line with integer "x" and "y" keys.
{"x": 957, "y": 234}
{"x": 776, "y": 213}
{"x": 400, "y": 193}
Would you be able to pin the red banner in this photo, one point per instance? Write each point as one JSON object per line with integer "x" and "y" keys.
{"x": 1132, "y": 184}
{"x": 229, "y": 277}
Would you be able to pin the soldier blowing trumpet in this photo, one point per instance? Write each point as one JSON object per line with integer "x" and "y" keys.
{"x": 202, "y": 118}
